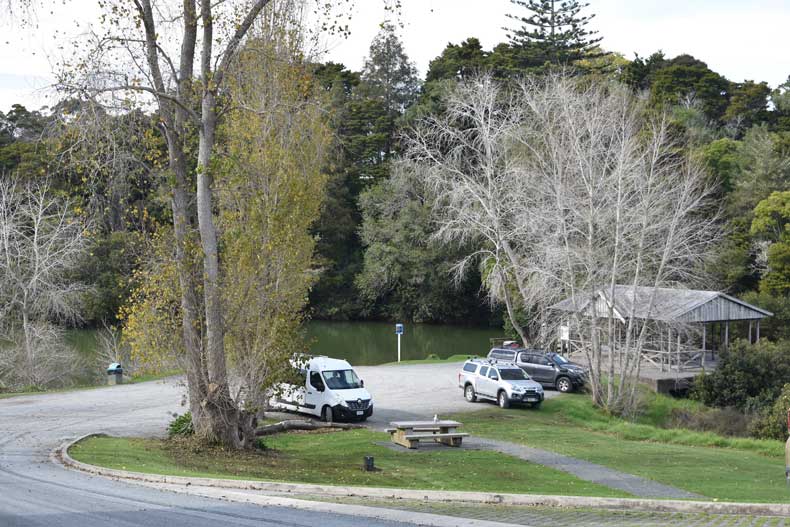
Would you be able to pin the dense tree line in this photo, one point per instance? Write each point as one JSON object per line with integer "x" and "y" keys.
{"x": 375, "y": 254}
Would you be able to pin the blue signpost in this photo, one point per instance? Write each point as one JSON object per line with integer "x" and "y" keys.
{"x": 399, "y": 332}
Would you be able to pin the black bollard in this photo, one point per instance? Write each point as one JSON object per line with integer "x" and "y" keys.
{"x": 369, "y": 466}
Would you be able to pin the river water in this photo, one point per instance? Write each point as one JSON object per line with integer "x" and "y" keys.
{"x": 370, "y": 343}
{"x": 365, "y": 343}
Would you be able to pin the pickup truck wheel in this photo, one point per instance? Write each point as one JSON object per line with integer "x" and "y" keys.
{"x": 326, "y": 414}
{"x": 564, "y": 385}
{"x": 503, "y": 401}
{"x": 469, "y": 393}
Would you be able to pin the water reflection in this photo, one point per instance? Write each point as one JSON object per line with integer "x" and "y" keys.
{"x": 367, "y": 343}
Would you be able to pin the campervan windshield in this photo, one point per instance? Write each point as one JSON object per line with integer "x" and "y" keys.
{"x": 342, "y": 379}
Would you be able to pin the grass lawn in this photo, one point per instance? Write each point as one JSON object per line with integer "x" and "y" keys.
{"x": 336, "y": 458}
{"x": 731, "y": 469}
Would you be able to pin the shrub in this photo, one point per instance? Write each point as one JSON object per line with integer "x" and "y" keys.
{"x": 725, "y": 421}
{"x": 181, "y": 425}
{"x": 749, "y": 376}
{"x": 772, "y": 421}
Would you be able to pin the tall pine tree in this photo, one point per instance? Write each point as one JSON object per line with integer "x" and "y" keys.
{"x": 556, "y": 29}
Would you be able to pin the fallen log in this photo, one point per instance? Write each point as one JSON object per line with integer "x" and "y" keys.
{"x": 294, "y": 424}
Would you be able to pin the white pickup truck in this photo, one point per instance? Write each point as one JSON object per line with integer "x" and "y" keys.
{"x": 330, "y": 389}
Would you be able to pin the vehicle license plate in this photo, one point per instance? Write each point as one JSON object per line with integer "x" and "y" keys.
{"x": 359, "y": 412}
{"x": 531, "y": 399}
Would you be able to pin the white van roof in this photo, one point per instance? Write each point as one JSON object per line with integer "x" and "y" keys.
{"x": 328, "y": 364}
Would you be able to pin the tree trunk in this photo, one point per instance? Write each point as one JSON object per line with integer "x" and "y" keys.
{"x": 221, "y": 420}
{"x": 511, "y": 312}
{"x": 197, "y": 381}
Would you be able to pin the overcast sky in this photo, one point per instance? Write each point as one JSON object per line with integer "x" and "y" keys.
{"x": 739, "y": 39}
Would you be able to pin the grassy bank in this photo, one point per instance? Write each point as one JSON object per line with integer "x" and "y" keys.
{"x": 336, "y": 458}
{"x": 733, "y": 469}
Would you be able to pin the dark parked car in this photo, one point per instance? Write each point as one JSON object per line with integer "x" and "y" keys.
{"x": 546, "y": 367}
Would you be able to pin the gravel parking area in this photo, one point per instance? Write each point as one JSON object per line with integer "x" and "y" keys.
{"x": 416, "y": 391}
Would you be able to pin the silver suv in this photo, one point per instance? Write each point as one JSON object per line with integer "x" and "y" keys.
{"x": 503, "y": 382}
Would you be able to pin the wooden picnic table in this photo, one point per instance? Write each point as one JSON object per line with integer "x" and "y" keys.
{"x": 410, "y": 433}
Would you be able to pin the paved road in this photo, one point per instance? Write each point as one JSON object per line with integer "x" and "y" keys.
{"x": 33, "y": 491}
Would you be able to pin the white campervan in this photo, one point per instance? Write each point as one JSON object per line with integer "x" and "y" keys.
{"x": 329, "y": 388}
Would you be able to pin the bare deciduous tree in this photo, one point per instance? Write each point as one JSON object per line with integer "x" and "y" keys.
{"x": 467, "y": 157}
{"x": 41, "y": 245}
{"x": 571, "y": 188}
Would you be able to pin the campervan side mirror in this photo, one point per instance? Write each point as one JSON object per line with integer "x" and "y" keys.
{"x": 362, "y": 383}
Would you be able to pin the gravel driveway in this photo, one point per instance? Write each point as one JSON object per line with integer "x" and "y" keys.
{"x": 411, "y": 391}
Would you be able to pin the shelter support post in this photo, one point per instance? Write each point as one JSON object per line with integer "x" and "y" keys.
{"x": 750, "y": 332}
{"x": 727, "y": 335}
{"x": 704, "y": 351}
{"x": 758, "y": 331}
{"x": 680, "y": 364}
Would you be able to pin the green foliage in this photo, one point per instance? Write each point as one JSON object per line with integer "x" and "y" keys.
{"x": 181, "y": 425}
{"x": 748, "y": 376}
{"x": 686, "y": 80}
{"x": 776, "y": 327}
{"x": 748, "y": 104}
{"x": 271, "y": 186}
{"x": 405, "y": 272}
{"x": 721, "y": 159}
{"x": 771, "y": 224}
{"x": 556, "y": 30}
{"x": 108, "y": 267}
{"x": 388, "y": 72}
{"x": 151, "y": 315}
{"x": 764, "y": 159}
{"x": 772, "y": 421}
{"x": 366, "y": 111}
{"x": 640, "y": 73}
{"x": 459, "y": 61}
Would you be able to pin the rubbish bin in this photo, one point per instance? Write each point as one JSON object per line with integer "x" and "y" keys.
{"x": 115, "y": 373}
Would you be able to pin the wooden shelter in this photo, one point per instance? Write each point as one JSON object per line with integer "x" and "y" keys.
{"x": 687, "y": 325}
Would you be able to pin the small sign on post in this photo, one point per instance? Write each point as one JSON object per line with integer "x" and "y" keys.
{"x": 399, "y": 332}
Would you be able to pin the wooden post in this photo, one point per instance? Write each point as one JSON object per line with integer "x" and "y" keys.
{"x": 704, "y": 351}
{"x": 680, "y": 367}
{"x": 758, "y": 331}
{"x": 727, "y": 335}
{"x": 750, "y": 332}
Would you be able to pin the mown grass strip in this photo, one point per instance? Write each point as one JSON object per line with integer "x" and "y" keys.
{"x": 336, "y": 459}
{"x": 725, "y": 468}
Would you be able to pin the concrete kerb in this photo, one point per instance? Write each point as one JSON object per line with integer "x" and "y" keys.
{"x": 62, "y": 456}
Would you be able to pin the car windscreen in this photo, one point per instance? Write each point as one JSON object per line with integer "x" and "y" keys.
{"x": 513, "y": 374}
{"x": 341, "y": 379}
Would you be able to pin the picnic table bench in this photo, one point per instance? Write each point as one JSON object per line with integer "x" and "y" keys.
{"x": 410, "y": 433}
